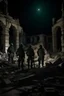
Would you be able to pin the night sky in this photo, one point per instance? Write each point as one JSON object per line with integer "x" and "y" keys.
{"x": 32, "y": 21}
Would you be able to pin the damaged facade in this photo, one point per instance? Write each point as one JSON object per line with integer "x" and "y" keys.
{"x": 42, "y": 39}
{"x": 10, "y": 31}
{"x": 58, "y": 33}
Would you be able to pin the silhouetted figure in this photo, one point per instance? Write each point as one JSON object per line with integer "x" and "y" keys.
{"x": 21, "y": 54}
{"x": 10, "y": 53}
{"x": 41, "y": 54}
{"x": 30, "y": 54}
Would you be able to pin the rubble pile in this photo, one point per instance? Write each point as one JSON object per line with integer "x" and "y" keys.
{"x": 34, "y": 82}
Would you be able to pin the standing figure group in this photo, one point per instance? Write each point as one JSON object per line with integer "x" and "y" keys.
{"x": 30, "y": 54}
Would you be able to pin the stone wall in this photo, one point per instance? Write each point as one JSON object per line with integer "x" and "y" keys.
{"x": 58, "y": 24}
{"x": 6, "y": 22}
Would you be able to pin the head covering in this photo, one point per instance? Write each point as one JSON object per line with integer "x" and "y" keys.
{"x": 11, "y": 44}
{"x": 40, "y": 46}
{"x": 21, "y": 45}
{"x": 30, "y": 46}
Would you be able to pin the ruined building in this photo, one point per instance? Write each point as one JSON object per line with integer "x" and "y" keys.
{"x": 42, "y": 39}
{"x": 58, "y": 33}
{"x": 10, "y": 31}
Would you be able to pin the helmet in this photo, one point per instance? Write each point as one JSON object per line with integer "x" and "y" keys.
{"x": 21, "y": 45}
{"x": 11, "y": 44}
{"x": 30, "y": 46}
{"x": 40, "y": 46}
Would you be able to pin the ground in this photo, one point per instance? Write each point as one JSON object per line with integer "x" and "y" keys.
{"x": 36, "y": 81}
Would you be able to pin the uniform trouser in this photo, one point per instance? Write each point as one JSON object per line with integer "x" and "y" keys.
{"x": 30, "y": 60}
{"x": 20, "y": 63}
{"x": 10, "y": 58}
{"x": 41, "y": 61}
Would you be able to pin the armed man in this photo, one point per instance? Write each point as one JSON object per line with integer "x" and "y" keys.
{"x": 20, "y": 52}
{"x": 30, "y": 54}
{"x": 41, "y": 54}
{"x": 10, "y": 53}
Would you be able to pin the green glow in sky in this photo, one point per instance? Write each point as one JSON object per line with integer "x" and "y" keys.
{"x": 38, "y": 9}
